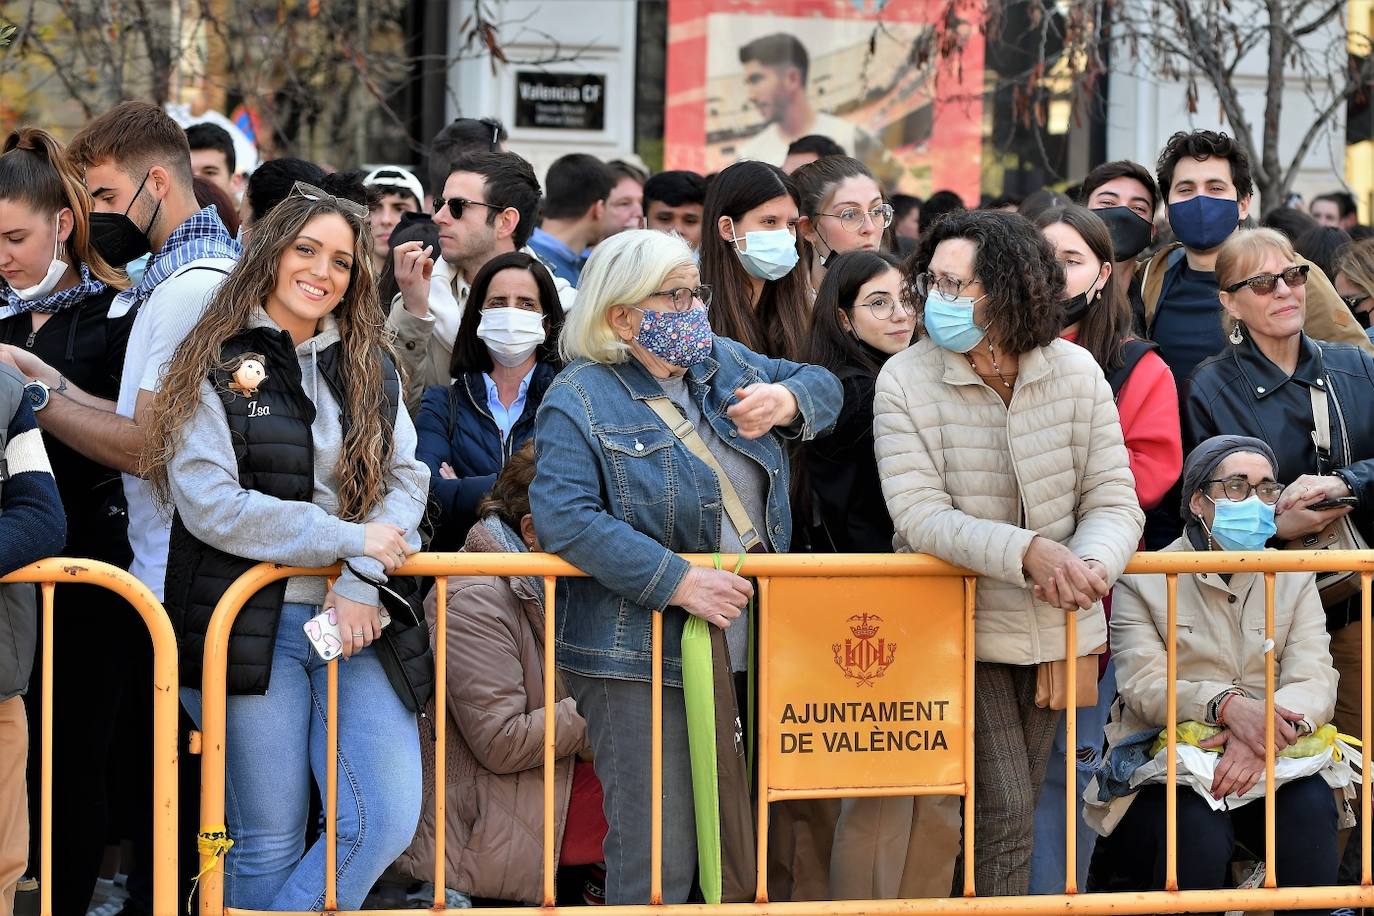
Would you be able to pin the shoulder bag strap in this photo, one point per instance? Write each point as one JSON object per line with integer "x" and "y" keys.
{"x": 687, "y": 433}
{"x": 1321, "y": 428}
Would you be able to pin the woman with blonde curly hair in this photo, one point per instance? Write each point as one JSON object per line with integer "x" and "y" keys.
{"x": 277, "y": 438}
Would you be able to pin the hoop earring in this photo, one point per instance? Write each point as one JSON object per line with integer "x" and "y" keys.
{"x": 1237, "y": 337}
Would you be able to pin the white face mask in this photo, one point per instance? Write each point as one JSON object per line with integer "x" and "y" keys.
{"x": 511, "y": 334}
{"x": 56, "y": 270}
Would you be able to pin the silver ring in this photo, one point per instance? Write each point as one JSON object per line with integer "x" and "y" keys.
{"x": 359, "y": 633}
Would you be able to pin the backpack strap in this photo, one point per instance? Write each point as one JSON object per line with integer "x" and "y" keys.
{"x": 1132, "y": 353}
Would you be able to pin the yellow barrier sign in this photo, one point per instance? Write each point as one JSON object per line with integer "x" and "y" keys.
{"x": 865, "y": 683}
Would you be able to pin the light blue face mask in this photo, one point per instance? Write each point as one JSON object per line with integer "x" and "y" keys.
{"x": 949, "y": 322}
{"x": 136, "y": 268}
{"x": 770, "y": 254}
{"x": 1244, "y": 525}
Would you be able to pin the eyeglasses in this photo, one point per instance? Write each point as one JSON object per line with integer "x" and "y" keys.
{"x": 456, "y": 204}
{"x": 1353, "y": 302}
{"x": 1264, "y": 284}
{"x": 1238, "y": 489}
{"x": 852, "y": 218}
{"x": 883, "y": 307}
{"x": 347, "y": 207}
{"x": 683, "y": 297}
{"x": 948, "y": 287}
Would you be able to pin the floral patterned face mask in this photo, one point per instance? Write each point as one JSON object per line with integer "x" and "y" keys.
{"x": 680, "y": 338}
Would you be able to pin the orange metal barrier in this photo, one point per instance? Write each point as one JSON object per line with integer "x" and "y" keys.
{"x": 48, "y": 573}
{"x": 766, "y": 568}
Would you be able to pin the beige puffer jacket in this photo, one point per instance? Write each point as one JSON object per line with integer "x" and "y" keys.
{"x": 973, "y": 481}
{"x": 495, "y": 693}
{"x": 1220, "y": 647}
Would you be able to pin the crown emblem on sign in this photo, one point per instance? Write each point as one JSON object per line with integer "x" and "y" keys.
{"x": 865, "y": 658}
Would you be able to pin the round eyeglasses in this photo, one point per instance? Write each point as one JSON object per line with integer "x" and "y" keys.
{"x": 682, "y": 297}
{"x": 948, "y": 287}
{"x": 884, "y": 307}
{"x": 852, "y": 218}
{"x": 1238, "y": 489}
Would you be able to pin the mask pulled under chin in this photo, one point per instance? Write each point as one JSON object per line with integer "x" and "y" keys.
{"x": 57, "y": 269}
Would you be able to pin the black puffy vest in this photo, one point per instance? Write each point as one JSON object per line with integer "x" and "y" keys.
{"x": 275, "y": 456}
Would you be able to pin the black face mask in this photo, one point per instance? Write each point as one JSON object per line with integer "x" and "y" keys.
{"x": 1129, "y": 230}
{"x": 116, "y": 238}
{"x": 1075, "y": 308}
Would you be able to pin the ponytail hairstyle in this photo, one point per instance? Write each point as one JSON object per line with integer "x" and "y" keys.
{"x": 816, "y": 183}
{"x": 35, "y": 170}
{"x": 776, "y": 325}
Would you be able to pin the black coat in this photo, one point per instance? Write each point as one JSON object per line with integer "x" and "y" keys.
{"x": 843, "y": 474}
{"x": 1240, "y": 392}
{"x": 275, "y": 455}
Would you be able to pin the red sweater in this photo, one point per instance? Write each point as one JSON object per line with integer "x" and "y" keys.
{"x": 1148, "y": 405}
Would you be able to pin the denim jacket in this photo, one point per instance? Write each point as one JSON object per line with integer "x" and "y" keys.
{"x": 617, "y": 495}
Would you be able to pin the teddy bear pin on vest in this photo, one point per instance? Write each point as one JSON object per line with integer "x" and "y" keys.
{"x": 248, "y": 376}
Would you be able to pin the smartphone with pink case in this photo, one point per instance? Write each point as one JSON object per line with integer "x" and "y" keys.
{"x": 323, "y": 632}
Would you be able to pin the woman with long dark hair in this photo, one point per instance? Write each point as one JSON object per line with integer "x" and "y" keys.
{"x": 1097, "y": 317}
{"x": 749, "y": 256}
{"x": 279, "y": 436}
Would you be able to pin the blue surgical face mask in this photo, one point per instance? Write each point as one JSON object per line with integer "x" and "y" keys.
{"x": 949, "y": 322}
{"x": 1244, "y": 525}
{"x": 1202, "y": 223}
{"x": 768, "y": 254}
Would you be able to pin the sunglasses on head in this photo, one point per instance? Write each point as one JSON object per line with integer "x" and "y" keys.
{"x": 1264, "y": 284}
{"x": 344, "y": 205}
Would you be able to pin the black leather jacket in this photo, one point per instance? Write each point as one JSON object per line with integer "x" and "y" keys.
{"x": 1240, "y": 392}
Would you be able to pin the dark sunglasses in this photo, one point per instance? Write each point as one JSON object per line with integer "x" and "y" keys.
{"x": 399, "y": 608}
{"x": 1264, "y": 284}
{"x": 1353, "y": 302}
{"x": 456, "y": 204}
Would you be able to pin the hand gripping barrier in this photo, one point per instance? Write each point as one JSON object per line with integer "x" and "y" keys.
{"x": 954, "y": 591}
{"x": 48, "y": 573}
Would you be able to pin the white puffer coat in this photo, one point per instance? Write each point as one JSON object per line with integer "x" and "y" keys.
{"x": 972, "y": 481}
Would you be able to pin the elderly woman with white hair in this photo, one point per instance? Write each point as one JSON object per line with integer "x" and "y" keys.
{"x": 658, "y": 439}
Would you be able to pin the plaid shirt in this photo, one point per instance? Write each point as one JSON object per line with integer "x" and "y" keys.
{"x": 201, "y": 236}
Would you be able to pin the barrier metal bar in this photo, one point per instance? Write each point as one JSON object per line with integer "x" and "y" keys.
{"x": 550, "y": 734}
{"x": 1270, "y": 879}
{"x": 1071, "y": 753}
{"x": 656, "y": 761}
{"x": 970, "y": 589}
{"x": 45, "y": 779}
{"x": 1365, "y": 674}
{"x": 761, "y": 749}
{"x": 47, "y": 574}
{"x": 441, "y": 738}
{"x": 1171, "y": 736}
{"x": 331, "y": 803}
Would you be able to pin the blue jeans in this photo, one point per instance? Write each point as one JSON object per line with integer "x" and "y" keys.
{"x": 277, "y": 744}
{"x": 1047, "y": 856}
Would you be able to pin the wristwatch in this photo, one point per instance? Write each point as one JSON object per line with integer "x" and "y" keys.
{"x": 38, "y": 394}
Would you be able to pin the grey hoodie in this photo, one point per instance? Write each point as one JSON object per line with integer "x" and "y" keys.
{"x": 245, "y": 523}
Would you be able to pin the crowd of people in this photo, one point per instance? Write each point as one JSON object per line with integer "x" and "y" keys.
{"x": 201, "y": 371}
